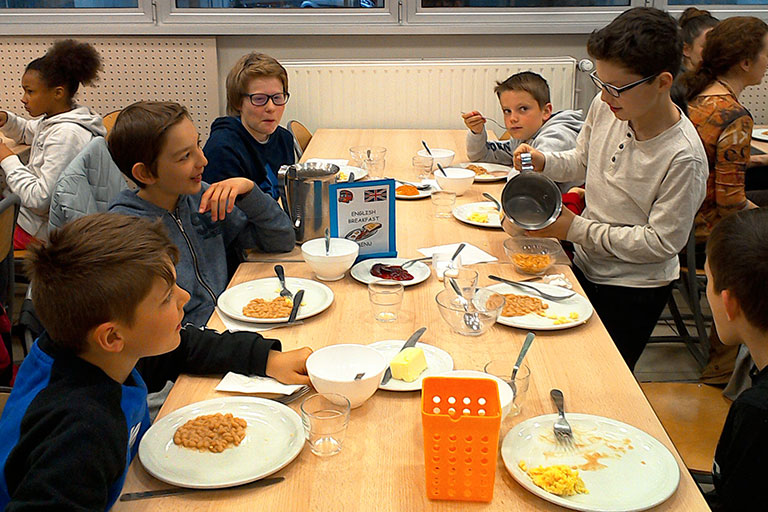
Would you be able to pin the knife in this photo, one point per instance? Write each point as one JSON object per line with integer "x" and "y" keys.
{"x": 410, "y": 343}
{"x": 133, "y": 496}
{"x": 296, "y": 305}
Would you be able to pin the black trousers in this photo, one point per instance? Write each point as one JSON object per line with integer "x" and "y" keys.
{"x": 629, "y": 314}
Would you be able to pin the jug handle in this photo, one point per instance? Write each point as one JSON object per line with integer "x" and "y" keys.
{"x": 281, "y": 173}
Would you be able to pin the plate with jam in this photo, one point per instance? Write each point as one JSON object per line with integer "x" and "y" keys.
{"x": 375, "y": 269}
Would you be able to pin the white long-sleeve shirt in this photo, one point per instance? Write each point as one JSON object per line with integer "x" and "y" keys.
{"x": 54, "y": 142}
{"x": 641, "y": 198}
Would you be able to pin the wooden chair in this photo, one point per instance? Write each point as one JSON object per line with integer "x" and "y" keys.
{"x": 109, "y": 120}
{"x": 9, "y": 211}
{"x": 5, "y": 392}
{"x": 301, "y": 137}
{"x": 693, "y": 415}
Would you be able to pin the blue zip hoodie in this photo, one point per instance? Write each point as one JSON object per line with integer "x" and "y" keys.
{"x": 257, "y": 221}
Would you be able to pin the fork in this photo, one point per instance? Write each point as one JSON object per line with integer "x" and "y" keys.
{"x": 286, "y": 399}
{"x": 533, "y": 288}
{"x": 411, "y": 262}
{"x": 281, "y": 276}
{"x": 563, "y": 431}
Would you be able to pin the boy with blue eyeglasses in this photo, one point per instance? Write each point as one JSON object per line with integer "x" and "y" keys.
{"x": 645, "y": 170}
{"x": 249, "y": 142}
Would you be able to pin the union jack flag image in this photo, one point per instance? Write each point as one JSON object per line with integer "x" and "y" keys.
{"x": 376, "y": 194}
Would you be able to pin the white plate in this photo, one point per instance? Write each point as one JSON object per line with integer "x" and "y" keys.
{"x": 273, "y": 438}
{"x": 506, "y": 397}
{"x": 438, "y": 361}
{"x": 577, "y": 303}
{"x": 317, "y": 297}
{"x": 362, "y": 271}
{"x": 462, "y": 213}
{"x": 760, "y": 134}
{"x": 491, "y": 167}
{"x": 421, "y": 195}
{"x": 343, "y": 174}
{"x": 633, "y": 479}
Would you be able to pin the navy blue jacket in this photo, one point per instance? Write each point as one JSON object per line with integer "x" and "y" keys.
{"x": 232, "y": 152}
{"x": 69, "y": 432}
{"x": 257, "y": 221}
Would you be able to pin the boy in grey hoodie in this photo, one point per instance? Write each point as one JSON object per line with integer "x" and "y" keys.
{"x": 524, "y": 99}
{"x": 156, "y": 145}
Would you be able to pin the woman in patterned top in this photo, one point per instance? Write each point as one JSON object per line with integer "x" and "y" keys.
{"x": 735, "y": 56}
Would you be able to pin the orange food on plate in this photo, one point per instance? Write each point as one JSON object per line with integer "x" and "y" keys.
{"x": 519, "y": 305}
{"x": 407, "y": 190}
{"x": 212, "y": 432}
{"x": 532, "y": 263}
{"x": 278, "y": 307}
{"x": 477, "y": 169}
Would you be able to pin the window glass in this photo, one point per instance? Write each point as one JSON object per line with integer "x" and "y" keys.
{"x": 523, "y": 3}
{"x": 66, "y": 4}
{"x": 280, "y": 4}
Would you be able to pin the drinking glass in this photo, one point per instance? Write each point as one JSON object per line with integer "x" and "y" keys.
{"x": 466, "y": 278}
{"x": 422, "y": 166}
{"x": 443, "y": 201}
{"x": 370, "y": 158}
{"x": 325, "y": 417}
{"x": 386, "y": 297}
{"x": 442, "y": 262}
{"x": 503, "y": 370}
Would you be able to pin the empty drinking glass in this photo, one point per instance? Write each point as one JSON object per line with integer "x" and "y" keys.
{"x": 443, "y": 201}
{"x": 466, "y": 278}
{"x": 325, "y": 417}
{"x": 422, "y": 166}
{"x": 503, "y": 370}
{"x": 386, "y": 298}
{"x": 370, "y": 158}
{"x": 443, "y": 262}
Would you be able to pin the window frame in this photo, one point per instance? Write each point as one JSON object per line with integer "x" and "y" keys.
{"x": 76, "y": 21}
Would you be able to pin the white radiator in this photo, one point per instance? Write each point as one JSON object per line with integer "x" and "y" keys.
{"x": 412, "y": 93}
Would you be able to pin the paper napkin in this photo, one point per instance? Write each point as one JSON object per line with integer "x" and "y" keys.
{"x": 234, "y": 325}
{"x": 236, "y": 383}
{"x": 469, "y": 255}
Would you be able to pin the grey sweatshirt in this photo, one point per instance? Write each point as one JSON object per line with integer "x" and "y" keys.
{"x": 557, "y": 134}
{"x": 54, "y": 141}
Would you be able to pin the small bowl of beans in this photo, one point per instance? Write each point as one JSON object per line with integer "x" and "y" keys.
{"x": 532, "y": 255}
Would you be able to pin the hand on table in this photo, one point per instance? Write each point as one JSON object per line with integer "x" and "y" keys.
{"x": 757, "y": 161}
{"x": 220, "y": 197}
{"x": 5, "y": 151}
{"x": 289, "y": 367}
{"x": 537, "y": 157}
{"x": 558, "y": 229}
{"x": 474, "y": 121}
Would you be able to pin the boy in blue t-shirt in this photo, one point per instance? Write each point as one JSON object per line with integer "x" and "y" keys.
{"x": 105, "y": 288}
{"x": 249, "y": 142}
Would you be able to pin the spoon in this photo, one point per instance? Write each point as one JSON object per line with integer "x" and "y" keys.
{"x": 470, "y": 319}
{"x": 429, "y": 151}
{"x": 441, "y": 169}
{"x": 327, "y": 241}
{"x": 526, "y": 345}
{"x": 458, "y": 250}
{"x": 359, "y": 376}
{"x": 533, "y": 288}
{"x": 492, "y": 199}
{"x": 493, "y": 121}
{"x": 351, "y": 177}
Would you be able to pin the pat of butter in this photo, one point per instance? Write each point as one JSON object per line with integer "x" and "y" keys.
{"x": 408, "y": 364}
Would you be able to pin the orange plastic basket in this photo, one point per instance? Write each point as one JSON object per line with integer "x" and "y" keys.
{"x": 461, "y": 419}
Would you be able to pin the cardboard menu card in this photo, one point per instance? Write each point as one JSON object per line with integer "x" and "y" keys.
{"x": 364, "y": 212}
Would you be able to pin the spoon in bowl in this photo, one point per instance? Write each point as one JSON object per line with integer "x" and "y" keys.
{"x": 441, "y": 169}
{"x": 429, "y": 151}
{"x": 327, "y": 241}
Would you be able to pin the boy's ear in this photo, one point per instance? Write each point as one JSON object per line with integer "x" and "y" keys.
{"x": 666, "y": 80}
{"x": 107, "y": 337}
{"x": 142, "y": 174}
{"x": 547, "y": 111}
{"x": 731, "y": 305}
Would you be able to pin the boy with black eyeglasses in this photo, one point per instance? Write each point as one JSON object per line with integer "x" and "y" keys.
{"x": 645, "y": 170}
{"x": 249, "y": 142}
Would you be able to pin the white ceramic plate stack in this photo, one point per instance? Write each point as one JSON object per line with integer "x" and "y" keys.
{"x": 463, "y": 212}
{"x": 637, "y": 472}
{"x": 498, "y": 171}
{"x": 317, "y": 298}
{"x": 438, "y": 361}
{"x": 273, "y": 438}
{"x": 362, "y": 271}
{"x": 562, "y": 308}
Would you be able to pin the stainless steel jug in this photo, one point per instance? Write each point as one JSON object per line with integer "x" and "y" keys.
{"x": 531, "y": 201}
{"x": 304, "y": 194}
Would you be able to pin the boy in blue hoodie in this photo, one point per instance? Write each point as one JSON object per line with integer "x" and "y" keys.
{"x": 156, "y": 145}
{"x": 525, "y": 103}
{"x": 104, "y": 287}
{"x": 249, "y": 142}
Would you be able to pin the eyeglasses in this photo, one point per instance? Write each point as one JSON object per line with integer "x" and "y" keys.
{"x": 616, "y": 91}
{"x": 259, "y": 100}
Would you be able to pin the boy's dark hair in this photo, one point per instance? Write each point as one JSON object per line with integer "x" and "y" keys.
{"x": 68, "y": 63}
{"x": 96, "y": 269}
{"x": 643, "y": 40}
{"x": 737, "y": 252}
{"x": 730, "y": 42}
{"x": 528, "y": 81}
{"x": 140, "y": 132}
{"x": 693, "y": 22}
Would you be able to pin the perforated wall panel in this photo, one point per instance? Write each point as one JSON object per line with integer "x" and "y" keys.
{"x": 755, "y": 98}
{"x": 137, "y": 68}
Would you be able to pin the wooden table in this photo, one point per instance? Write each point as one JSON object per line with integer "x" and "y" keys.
{"x": 381, "y": 465}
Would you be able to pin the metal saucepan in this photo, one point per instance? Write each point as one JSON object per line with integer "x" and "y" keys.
{"x": 531, "y": 201}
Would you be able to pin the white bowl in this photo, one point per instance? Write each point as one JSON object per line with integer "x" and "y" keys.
{"x": 340, "y": 258}
{"x": 506, "y": 397}
{"x": 332, "y": 369}
{"x": 458, "y": 179}
{"x": 443, "y": 157}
